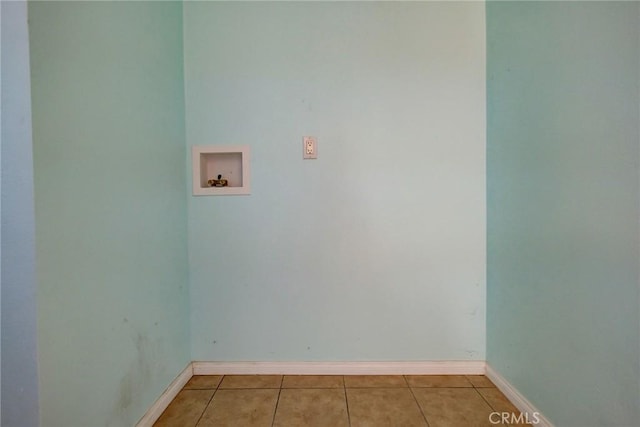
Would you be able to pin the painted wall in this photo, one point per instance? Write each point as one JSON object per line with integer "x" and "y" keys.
{"x": 108, "y": 129}
{"x": 374, "y": 251}
{"x": 563, "y": 206}
{"x": 19, "y": 344}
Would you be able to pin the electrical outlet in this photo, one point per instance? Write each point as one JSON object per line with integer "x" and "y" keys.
{"x": 309, "y": 147}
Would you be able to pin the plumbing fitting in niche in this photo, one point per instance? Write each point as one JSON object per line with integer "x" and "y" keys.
{"x": 218, "y": 182}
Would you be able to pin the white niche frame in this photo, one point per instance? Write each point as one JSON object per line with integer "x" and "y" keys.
{"x": 230, "y": 161}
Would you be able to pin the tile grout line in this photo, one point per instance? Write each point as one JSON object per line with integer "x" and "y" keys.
{"x": 275, "y": 410}
{"x": 486, "y": 401}
{"x": 346, "y": 400}
{"x": 209, "y": 402}
{"x": 481, "y": 395}
{"x": 251, "y": 388}
{"x": 415, "y": 399}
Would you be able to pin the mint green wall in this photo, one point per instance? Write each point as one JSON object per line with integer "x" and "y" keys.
{"x": 19, "y": 403}
{"x": 563, "y": 207}
{"x": 374, "y": 251}
{"x": 108, "y": 128}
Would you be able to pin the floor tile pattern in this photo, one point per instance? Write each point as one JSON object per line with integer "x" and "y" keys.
{"x": 337, "y": 401}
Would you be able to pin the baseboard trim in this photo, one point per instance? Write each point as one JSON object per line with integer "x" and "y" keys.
{"x": 165, "y": 399}
{"x": 452, "y": 367}
{"x": 518, "y": 400}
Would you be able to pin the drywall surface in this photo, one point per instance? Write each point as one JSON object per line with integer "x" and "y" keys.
{"x": 563, "y": 206}
{"x": 108, "y": 130}
{"x": 19, "y": 343}
{"x": 375, "y": 250}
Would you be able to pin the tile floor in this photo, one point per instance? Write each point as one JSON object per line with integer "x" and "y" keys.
{"x": 336, "y": 401}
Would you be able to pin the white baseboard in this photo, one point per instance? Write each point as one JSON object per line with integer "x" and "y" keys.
{"x": 518, "y": 400}
{"x": 165, "y": 399}
{"x": 453, "y": 367}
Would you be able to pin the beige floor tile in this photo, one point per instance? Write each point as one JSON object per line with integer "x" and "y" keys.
{"x": 203, "y": 382}
{"x": 438, "y": 381}
{"x": 453, "y": 407}
{"x": 185, "y": 409}
{"x": 251, "y": 381}
{"x": 312, "y": 381}
{"x": 241, "y": 408}
{"x": 359, "y": 381}
{"x": 480, "y": 381}
{"x": 499, "y": 402}
{"x": 381, "y": 407}
{"x": 312, "y": 408}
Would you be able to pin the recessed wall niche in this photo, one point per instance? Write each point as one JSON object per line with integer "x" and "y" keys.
{"x": 220, "y": 170}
